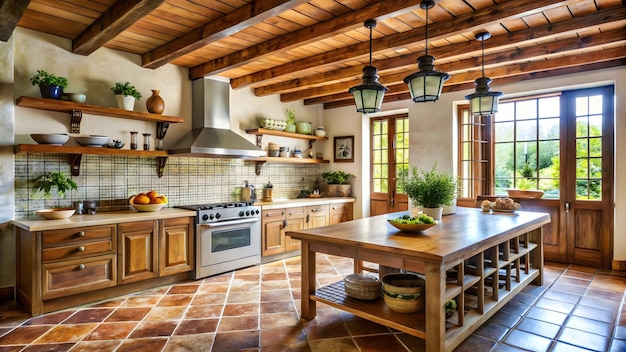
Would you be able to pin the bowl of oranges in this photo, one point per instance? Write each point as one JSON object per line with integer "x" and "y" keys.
{"x": 149, "y": 201}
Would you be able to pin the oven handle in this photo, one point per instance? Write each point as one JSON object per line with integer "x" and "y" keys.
{"x": 230, "y": 222}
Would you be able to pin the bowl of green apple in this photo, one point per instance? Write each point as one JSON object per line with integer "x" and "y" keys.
{"x": 413, "y": 224}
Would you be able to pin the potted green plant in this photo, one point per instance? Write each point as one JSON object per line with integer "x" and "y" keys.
{"x": 337, "y": 183}
{"x": 48, "y": 182}
{"x": 430, "y": 189}
{"x": 291, "y": 120}
{"x": 125, "y": 95}
{"x": 50, "y": 85}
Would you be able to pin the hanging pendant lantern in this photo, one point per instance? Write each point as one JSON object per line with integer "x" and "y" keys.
{"x": 426, "y": 84}
{"x": 368, "y": 96}
{"x": 483, "y": 101}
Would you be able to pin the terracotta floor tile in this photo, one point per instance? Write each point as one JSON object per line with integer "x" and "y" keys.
{"x": 249, "y": 322}
{"x": 244, "y": 297}
{"x": 142, "y": 345}
{"x": 568, "y": 280}
{"x": 15, "y": 348}
{"x": 57, "y": 347}
{"x": 243, "y": 277}
{"x": 128, "y": 314}
{"x": 236, "y": 340}
{"x": 154, "y": 329}
{"x": 200, "y": 342}
{"x": 275, "y": 285}
{"x": 24, "y": 335}
{"x": 269, "y": 321}
{"x": 539, "y": 327}
{"x": 283, "y": 335}
{"x": 595, "y": 314}
{"x": 588, "y": 325}
{"x": 505, "y": 319}
{"x": 172, "y": 300}
{"x": 244, "y": 287}
{"x": 111, "y": 331}
{"x": 274, "y": 276}
{"x": 359, "y": 327}
{"x": 315, "y": 332}
{"x": 231, "y": 310}
{"x": 338, "y": 344}
{"x": 213, "y": 288}
{"x": 183, "y": 289}
{"x": 475, "y": 343}
{"x": 606, "y": 295}
{"x": 565, "y": 347}
{"x": 141, "y": 301}
{"x": 211, "y": 298}
{"x": 546, "y": 315}
{"x": 492, "y": 331}
{"x": 558, "y": 306}
{"x": 514, "y": 307}
{"x": 52, "y": 318}
{"x": 95, "y": 315}
{"x": 66, "y": 333}
{"x": 276, "y": 295}
{"x": 561, "y": 296}
{"x": 204, "y": 311}
{"x": 100, "y": 346}
{"x": 572, "y": 289}
{"x": 618, "y": 346}
{"x": 166, "y": 313}
{"x": 506, "y": 348}
{"x": 379, "y": 343}
{"x": 527, "y": 341}
{"x": 196, "y": 326}
{"x": 277, "y": 307}
{"x": 583, "y": 339}
{"x": 113, "y": 303}
{"x": 608, "y": 282}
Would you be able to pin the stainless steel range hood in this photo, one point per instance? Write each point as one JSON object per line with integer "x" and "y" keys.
{"x": 210, "y": 134}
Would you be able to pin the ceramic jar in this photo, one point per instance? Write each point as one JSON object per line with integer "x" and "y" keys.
{"x": 320, "y": 132}
{"x": 155, "y": 103}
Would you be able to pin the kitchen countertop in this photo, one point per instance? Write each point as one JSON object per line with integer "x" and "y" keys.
{"x": 102, "y": 218}
{"x": 303, "y": 202}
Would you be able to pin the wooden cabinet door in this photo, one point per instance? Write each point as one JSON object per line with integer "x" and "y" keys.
{"x": 176, "y": 246}
{"x": 273, "y": 232}
{"x": 340, "y": 213}
{"x": 317, "y": 215}
{"x": 296, "y": 220}
{"x": 80, "y": 275}
{"x": 137, "y": 250}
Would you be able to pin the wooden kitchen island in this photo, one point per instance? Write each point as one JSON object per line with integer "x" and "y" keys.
{"x": 479, "y": 259}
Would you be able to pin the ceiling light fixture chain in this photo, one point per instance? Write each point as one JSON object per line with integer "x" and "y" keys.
{"x": 368, "y": 96}
{"x": 426, "y": 84}
{"x": 483, "y": 101}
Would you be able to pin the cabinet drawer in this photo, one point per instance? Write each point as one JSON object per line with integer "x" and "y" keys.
{"x": 296, "y": 212}
{"x": 77, "y": 250}
{"x": 318, "y": 209}
{"x": 78, "y": 276}
{"x": 80, "y": 234}
{"x": 340, "y": 208}
{"x": 273, "y": 214}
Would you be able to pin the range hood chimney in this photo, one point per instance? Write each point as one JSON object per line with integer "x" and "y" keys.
{"x": 210, "y": 135}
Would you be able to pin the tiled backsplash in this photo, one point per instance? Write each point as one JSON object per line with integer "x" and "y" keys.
{"x": 111, "y": 180}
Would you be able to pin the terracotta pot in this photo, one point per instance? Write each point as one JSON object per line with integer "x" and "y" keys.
{"x": 155, "y": 103}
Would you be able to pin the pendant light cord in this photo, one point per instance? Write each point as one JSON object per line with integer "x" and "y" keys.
{"x": 371, "y": 46}
{"x": 483, "y": 55}
{"x": 426, "y": 31}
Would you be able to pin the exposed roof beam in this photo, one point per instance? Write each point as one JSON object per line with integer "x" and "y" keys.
{"x": 326, "y": 29}
{"x": 118, "y": 18}
{"x": 242, "y": 18}
{"x": 10, "y": 14}
{"x": 509, "y": 40}
{"x": 458, "y": 25}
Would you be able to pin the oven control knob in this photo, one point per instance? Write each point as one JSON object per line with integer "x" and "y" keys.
{"x": 218, "y": 215}
{"x": 257, "y": 212}
{"x": 247, "y": 212}
{"x": 211, "y": 216}
{"x": 205, "y": 217}
{"x": 241, "y": 213}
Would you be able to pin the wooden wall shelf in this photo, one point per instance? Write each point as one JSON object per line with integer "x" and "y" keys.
{"x": 262, "y": 160}
{"x": 259, "y": 132}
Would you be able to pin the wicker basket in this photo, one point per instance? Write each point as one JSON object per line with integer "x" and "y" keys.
{"x": 403, "y": 293}
{"x": 362, "y": 286}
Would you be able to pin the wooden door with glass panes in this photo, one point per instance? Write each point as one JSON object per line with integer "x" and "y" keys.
{"x": 389, "y": 141}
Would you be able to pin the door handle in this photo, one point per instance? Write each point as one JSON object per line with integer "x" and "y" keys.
{"x": 567, "y": 208}
{"x": 307, "y": 218}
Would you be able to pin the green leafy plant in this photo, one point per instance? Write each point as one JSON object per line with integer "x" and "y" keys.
{"x": 430, "y": 189}
{"x": 336, "y": 177}
{"x": 54, "y": 180}
{"x": 291, "y": 115}
{"x": 126, "y": 90}
{"x": 44, "y": 78}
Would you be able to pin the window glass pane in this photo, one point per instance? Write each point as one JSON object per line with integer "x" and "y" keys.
{"x": 504, "y": 156}
{"x": 376, "y": 185}
{"x": 595, "y": 125}
{"x": 582, "y": 106}
{"x": 526, "y": 130}
{"x": 595, "y": 167}
{"x": 526, "y": 109}
{"x": 582, "y": 168}
{"x": 549, "y": 159}
{"x": 502, "y": 184}
{"x": 581, "y": 147}
{"x": 549, "y": 128}
{"x": 595, "y": 146}
{"x": 581, "y": 127}
{"x": 376, "y": 157}
{"x": 506, "y": 112}
{"x": 467, "y": 151}
{"x": 384, "y": 185}
{"x": 550, "y": 188}
{"x": 582, "y": 189}
{"x": 595, "y": 104}
{"x": 504, "y": 132}
{"x": 549, "y": 107}
{"x": 377, "y": 171}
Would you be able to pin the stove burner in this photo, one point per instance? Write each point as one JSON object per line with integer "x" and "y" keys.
{"x": 211, "y": 206}
{"x": 224, "y": 211}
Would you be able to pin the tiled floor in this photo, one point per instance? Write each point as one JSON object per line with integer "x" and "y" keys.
{"x": 256, "y": 309}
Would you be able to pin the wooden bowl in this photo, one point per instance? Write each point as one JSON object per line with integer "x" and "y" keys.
{"x": 412, "y": 228}
{"x": 148, "y": 207}
{"x": 56, "y": 213}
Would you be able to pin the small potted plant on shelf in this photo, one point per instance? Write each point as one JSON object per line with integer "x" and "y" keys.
{"x": 50, "y": 85}
{"x": 291, "y": 120}
{"x": 125, "y": 95}
{"x": 48, "y": 182}
{"x": 337, "y": 183}
{"x": 430, "y": 189}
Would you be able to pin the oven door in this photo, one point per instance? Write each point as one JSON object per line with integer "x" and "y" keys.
{"x": 226, "y": 241}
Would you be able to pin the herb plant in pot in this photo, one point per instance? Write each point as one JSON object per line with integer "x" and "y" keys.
{"x": 50, "y": 86}
{"x": 430, "y": 189}
{"x": 337, "y": 183}
{"x": 125, "y": 95}
{"x": 291, "y": 120}
{"x": 48, "y": 182}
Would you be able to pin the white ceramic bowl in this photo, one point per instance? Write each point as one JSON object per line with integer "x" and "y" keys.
{"x": 92, "y": 141}
{"x": 56, "y": 213}
{"x": 76, "y": 97}
{"x": 50, "y": 138}
{"x": 148, "y": 207}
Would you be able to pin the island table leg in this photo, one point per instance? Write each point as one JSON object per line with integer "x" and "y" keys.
{"x": 307, "y": 282}
{"x": 435, "y": 288}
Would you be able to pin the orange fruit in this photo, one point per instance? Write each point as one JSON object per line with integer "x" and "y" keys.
{"x": 141, "y": 199}
{"x": 152, "y": 194}
{"x": 157, "y": 200}
{"x": 163, "y": 198}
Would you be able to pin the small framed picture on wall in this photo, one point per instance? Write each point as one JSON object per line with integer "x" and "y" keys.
{"x": 344, "y": 149}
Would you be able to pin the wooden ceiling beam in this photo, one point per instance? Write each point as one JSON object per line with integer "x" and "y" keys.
{"x": 509, "y": 74}
{"x": 473, "y": 21}
{"x": 118, "y": 18}
{"x": 470, "y": 67}
{"x": 231, "y": 23}
{"x": 10, "y": 14}
{"x": 322, "y": 30}
{"x": 510, "y": 40}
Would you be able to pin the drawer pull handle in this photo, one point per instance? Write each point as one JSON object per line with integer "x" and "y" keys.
{"x": 81, "y": 234}
{"x": 80, "y": 249}
{"x": 81, "y": 267}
